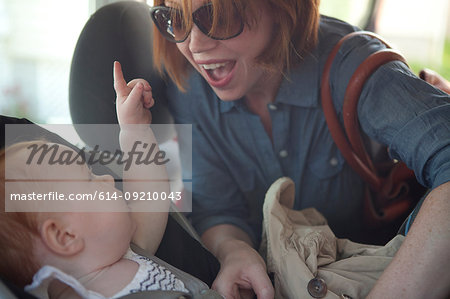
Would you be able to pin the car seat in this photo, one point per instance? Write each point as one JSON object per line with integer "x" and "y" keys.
{"x": 177, "y": 231}
{"x": 120, "y": 31}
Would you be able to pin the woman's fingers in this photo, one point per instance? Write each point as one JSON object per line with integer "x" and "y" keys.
{"x": 226, "y": 287}
{"x": 242, "y": 272}
{"x": 435, "y": 79}
{"x": 261, "y": 284}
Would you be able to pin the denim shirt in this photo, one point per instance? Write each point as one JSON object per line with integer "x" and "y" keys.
{"x": 234, "y": 161}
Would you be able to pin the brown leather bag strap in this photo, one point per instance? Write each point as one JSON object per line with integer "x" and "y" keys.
{"x": 352, "y": 94}
{"x": 350, "y": 141}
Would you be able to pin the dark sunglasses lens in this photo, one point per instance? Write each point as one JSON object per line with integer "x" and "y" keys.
{"x": 170, "y": 23}
{"x": 223, "y": 27}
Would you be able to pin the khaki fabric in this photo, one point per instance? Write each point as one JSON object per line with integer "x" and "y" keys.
{"x": 299, "y": 246}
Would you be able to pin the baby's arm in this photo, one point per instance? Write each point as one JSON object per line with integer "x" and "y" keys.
{"x": 132, "y": 103}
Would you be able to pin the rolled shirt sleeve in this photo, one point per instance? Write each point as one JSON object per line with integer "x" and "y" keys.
{"x": 400, "y": 110}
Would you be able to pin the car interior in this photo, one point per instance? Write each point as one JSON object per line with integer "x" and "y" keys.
{"x": 122, "y": 31}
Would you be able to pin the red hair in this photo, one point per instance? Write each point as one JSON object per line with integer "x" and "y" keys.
{"x": 297, "y": 24}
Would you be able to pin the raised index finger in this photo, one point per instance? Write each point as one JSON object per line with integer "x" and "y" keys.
{"x": 119, "y": 81}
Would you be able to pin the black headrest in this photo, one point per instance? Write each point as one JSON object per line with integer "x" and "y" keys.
{"x": 120, "y": 31}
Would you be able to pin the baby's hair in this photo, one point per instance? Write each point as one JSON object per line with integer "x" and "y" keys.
{"x": 18, "y": 231}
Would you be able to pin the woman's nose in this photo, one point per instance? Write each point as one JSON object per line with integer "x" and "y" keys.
{"x": 200, "y": 42}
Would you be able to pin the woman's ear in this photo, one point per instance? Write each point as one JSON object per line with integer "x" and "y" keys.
{"x": 60, "y": 238}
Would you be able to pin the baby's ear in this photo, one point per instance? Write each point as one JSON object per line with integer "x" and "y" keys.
{"x": 60, "y": 238}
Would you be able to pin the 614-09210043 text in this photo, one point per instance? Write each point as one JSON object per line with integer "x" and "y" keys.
{"x": 149, "y": 195}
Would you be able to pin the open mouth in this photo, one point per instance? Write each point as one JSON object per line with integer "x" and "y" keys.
{"x": 218, "y": 74}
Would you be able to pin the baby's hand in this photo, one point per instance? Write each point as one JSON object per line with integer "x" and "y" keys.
{"x": 133, "y": 99}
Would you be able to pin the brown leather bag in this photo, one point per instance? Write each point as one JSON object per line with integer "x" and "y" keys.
{"x": 392, "y": 190}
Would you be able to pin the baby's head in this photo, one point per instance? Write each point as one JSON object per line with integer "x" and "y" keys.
{"x": 74, "y": 242}
{"x": 17, "y": 233}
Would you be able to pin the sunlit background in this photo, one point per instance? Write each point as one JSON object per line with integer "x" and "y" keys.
{"x": 37, "y": 39}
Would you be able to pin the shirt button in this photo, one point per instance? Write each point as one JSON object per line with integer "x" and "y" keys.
{"x": 317, "y": 288}
{"x": 273, "y": 107}
{"x": 283, "y": 153}
{"x": 334, "y": 161}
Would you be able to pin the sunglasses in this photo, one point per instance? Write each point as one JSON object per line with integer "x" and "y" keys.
{"x": 170, "y": 22}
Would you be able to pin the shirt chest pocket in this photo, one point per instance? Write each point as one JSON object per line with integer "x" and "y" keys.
{"x": 325, "y": 162}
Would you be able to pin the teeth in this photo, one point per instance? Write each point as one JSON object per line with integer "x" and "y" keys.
{"x": 213, "y": 65}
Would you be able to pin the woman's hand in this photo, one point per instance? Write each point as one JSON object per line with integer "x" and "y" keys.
{"x": 242, "y": 273}
{"x": 242, "y": 270}
{"x": 435, "y": 79}
{"x": 133, "y": 99}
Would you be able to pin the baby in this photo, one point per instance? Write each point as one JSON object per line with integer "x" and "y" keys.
{"x": 75, "y": 253}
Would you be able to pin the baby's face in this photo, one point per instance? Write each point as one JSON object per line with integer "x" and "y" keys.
{"x": 106, "y": 234}
{"x": 102, "y": 229}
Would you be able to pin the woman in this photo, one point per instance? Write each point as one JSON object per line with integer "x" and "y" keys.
{"x": 253, "y": 100}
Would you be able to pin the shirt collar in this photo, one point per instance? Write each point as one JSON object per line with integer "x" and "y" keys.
{"x": 301, "y": 86}
{"x": 225, "y": 106}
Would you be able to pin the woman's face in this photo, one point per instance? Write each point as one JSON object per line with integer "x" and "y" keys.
{"x": 229, "y": 66}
